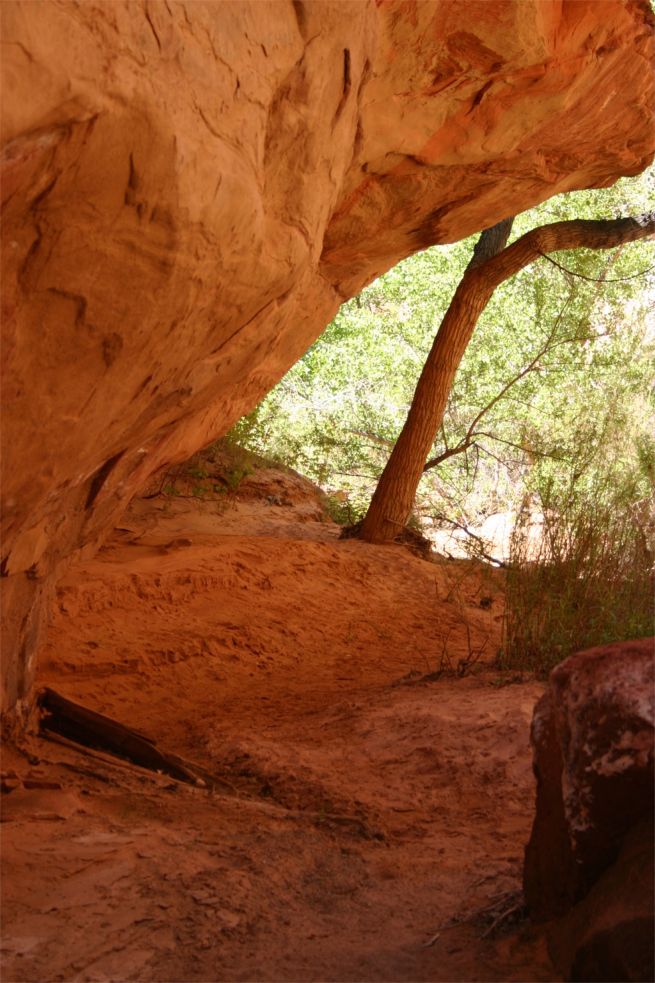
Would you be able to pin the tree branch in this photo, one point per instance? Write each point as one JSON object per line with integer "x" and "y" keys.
{"x": 482, "y": 552}
{"x": 575, "y": 234}
{"x": 491, "y": 242}
{"x": 594, "y": 279}
{"x": 382, "y": 441}
{"x": 471, "y": 433}
{"x": 519, "y": 447}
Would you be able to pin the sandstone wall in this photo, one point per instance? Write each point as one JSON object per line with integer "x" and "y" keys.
{"x": 190, "y": 190}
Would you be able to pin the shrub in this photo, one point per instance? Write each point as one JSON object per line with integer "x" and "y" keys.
{"x": 585, "y": 579}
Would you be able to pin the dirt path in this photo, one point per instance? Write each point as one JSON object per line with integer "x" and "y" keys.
{"x": 376, "y": 822}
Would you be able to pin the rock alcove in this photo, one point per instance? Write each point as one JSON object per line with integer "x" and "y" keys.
{"x": 190, "y": 190}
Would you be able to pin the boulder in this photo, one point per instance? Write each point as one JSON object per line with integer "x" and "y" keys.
{"x": 608, "y": 936}
{"x": 592, "y": 736}
{"x": 190, "y": 191}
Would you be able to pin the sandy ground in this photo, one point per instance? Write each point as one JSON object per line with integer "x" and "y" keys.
{"x": 370, "y": 822}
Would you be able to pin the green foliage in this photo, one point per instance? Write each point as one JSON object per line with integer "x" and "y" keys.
{"x": 553, "y": 398}
{"x": 235, "y": 476}
{"x": 216, "y": 471}
{"x": 338, "y": 411}
{"x": 341, "y": 511}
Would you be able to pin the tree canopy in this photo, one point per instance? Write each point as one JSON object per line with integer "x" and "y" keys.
{"x": 560, "y": 365}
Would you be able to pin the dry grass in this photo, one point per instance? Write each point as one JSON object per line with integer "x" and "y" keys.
{"x": 588, "y": 580}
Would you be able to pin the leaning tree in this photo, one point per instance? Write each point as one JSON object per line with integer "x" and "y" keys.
{"x": 492, "y": 263}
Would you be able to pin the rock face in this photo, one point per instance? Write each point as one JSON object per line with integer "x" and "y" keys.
{"x": 609, "y": 935}
{"x": 190, "y": 190}
{"x": 592, "y": 735}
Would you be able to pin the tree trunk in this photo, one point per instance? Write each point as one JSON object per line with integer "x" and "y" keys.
{"x": 490, "y": 266}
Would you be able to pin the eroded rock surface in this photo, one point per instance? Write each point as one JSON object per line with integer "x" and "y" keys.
{"x": 191, "y": 189}
{"x": 609, "y": 935}
{"x": 592, "y": 735}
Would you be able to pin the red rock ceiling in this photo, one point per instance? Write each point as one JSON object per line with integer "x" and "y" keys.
{"x": 191, "y": 189}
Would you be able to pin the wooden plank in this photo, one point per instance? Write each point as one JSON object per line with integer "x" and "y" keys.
{"x": 88, "y": 727}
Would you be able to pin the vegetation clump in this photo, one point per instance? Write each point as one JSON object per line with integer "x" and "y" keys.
{"x": 587, "y": 578}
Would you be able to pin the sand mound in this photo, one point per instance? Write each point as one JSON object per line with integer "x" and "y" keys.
{"x": 368, "y": 803}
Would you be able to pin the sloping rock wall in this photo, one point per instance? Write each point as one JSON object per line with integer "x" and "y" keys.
{"x": 190, "y": 190}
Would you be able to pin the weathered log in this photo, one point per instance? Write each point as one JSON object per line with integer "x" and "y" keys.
{"x": 84, "y": 726}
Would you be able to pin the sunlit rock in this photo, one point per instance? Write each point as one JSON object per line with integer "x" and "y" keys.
{"x": 191, "y": 190}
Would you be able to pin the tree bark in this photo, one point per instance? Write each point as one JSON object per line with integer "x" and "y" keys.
{"x": 490, "y": 266}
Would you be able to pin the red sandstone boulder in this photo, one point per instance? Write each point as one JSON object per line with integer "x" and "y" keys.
{"x": 592, "y": 735}
{"x": 608, "y": 936}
